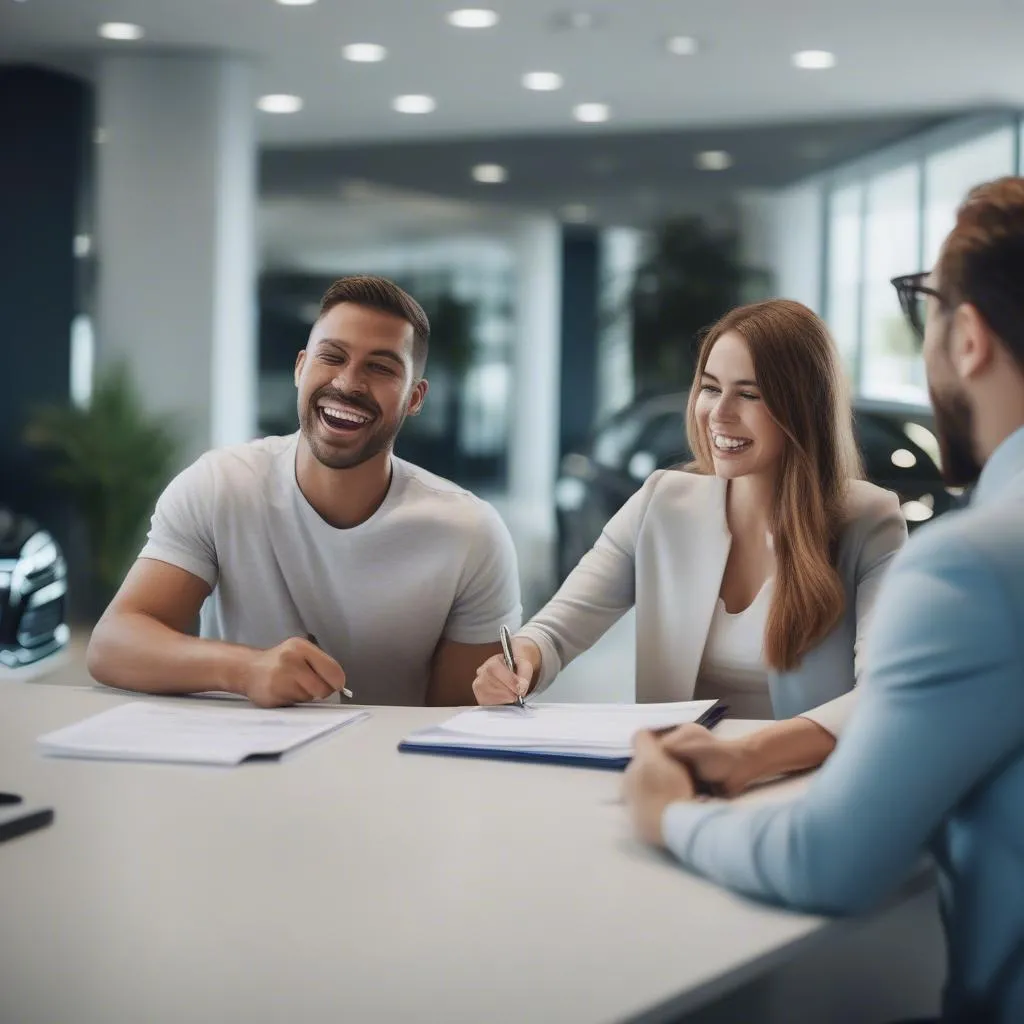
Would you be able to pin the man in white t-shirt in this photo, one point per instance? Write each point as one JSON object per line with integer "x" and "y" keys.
{"x": 320, "y": 561}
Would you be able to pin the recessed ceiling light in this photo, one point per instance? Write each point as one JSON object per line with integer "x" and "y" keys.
{"x": 82, "y": 245}
{"x": 472, "y": 17}
{"x": 123, "y": 31}
{"x": 490, "y": 174}
{"x": 414, "y": 103}
{"x": 713, "y": 160}
{"x": 814, "y": 60}
{"x": 542, "y": 81}
{"x": 591, "y": 113}
{"x": 682, "y": 46}
{"x": 364, "y": 53}
{"x": 578, "y": 21}
{"x": 296, "y": 3}
{"x": 280, "y": 103}
{"x": 356, "y": 190}
{"x": 576, "y": 213}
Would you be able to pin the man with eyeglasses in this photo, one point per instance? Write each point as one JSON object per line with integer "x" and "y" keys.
{"x": 933, "y": 758}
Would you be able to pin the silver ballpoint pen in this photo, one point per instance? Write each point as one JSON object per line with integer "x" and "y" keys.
{"x": 510, "y": 661}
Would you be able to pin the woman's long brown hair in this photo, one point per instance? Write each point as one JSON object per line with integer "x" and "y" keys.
{"x": 798, "y": 372}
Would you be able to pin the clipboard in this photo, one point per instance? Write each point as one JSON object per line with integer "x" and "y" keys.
{"x": 576, "y": 759}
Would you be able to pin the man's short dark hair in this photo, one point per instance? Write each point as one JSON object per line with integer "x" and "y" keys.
{"x": 386, "y": 297}
{"x": 982, "y": 262}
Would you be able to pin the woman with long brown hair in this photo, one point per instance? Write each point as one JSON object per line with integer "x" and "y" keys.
{"x": 753, "y": 572}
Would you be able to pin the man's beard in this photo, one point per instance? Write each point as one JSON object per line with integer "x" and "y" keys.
{"x": 954, "y": 425}
{"x": 379, "y": 438}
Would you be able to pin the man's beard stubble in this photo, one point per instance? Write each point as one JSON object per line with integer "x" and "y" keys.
{"x": 954, "y": 426}
{"x": 380, "y": 438}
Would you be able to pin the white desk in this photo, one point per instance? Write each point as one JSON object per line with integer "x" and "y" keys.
{"x": 349, "y": 883}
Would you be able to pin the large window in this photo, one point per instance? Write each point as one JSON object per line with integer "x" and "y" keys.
{"x": 885, "y": 221}
{"x": 950, "y": 174}
{"x": 844, "y": 263}
{"x": 891, "y": 365}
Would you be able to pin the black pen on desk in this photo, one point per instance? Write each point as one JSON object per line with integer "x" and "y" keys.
{"x": 316, "y": 643}
{"x": 510, "y": 662}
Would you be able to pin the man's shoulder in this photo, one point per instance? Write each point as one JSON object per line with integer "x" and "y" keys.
{"x": 427, "y": 494}
{"x": 245, "y": 466}
{"x": 983, "y": 543}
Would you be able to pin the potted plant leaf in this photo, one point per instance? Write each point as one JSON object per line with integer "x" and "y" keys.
{"x": 111, "y": 459}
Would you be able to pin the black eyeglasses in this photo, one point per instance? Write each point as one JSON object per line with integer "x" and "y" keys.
{"x": 913, "y": 295}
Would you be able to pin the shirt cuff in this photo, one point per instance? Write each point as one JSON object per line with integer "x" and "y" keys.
{"x": 834, "y": 714}
{"x": 550, "y": 662}
{"x": 181, "y": 559}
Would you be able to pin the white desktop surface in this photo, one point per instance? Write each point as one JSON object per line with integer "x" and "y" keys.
{"x": 350, "y": 882}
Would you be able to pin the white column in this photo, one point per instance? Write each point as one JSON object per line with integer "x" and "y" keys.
{"x": 533, "y": 444}
{"x": 176, "y": 198}
{"x": 621, "y": 251}
{"x": 783, "y": 232}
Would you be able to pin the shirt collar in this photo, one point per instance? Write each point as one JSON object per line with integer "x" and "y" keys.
{"x": 1002, "y": 466}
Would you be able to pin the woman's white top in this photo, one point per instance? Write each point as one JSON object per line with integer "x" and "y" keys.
{"x": 732, "y": 669}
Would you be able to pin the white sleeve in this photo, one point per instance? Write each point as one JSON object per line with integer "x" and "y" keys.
{"x": 181, "y": 531}
{"x": 488, "y": 595}
{"x": 596, "y": 594}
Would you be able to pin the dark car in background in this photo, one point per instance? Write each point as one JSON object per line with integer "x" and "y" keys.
{"x": 900, "y": 453}
{"x": 33, "y": 592}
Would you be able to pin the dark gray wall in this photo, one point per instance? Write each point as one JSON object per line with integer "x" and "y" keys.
{"x": 44, "y": 136}
{"x": 580, "y": 299}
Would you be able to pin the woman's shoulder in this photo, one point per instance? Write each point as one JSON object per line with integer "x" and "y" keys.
{"x": 679, "y": 482}
{"x": 667, "y": 492}
{"x": 873, "y": 518}
{"x": 866, "y": 500}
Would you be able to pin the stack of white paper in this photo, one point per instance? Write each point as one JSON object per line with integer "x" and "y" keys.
{"x": 193, "y": 733}
{"x": 602, "y": 731}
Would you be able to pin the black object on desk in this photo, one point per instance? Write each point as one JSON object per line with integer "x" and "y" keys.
{"x": 17, "y": 818}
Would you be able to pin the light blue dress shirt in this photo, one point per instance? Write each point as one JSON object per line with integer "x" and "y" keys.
{"x": 932, "y": 758}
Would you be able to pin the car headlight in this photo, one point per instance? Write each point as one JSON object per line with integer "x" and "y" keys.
{"x": 39, "y": 553}
{"x": 919, "y": 511}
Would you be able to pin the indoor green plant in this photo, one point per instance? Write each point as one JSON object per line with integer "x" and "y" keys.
{"x": 111, "y": 459}
{"x": 690, "y": 275}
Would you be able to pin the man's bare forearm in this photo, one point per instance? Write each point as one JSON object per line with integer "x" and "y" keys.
{"x": 135, "y": 651}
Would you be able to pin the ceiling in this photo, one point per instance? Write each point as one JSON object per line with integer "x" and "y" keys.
{"x": 893, "y": 56}
{"x": 617, "y": 177}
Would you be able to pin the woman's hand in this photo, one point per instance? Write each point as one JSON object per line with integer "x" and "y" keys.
{"x": 495, "y": 684}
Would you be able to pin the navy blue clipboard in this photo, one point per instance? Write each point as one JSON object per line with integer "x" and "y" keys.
{"x": 709, "y": 720}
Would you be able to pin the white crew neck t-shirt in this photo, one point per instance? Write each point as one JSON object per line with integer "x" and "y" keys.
{"x": 432, "y": 562}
